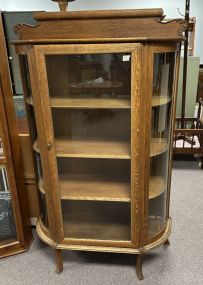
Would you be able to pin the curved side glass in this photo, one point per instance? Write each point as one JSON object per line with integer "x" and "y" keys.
{"x": 33, "y": 134}
{"x": 164, "y": 64}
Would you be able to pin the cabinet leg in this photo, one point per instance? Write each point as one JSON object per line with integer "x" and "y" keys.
{"x": 59, "y": 261}
{"x": 139, "y": 267}
{"x": 167, "y": 242}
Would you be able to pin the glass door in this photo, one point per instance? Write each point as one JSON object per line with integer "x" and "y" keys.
{"x": 87, "y": 94}
{"x": 161, "y": 126}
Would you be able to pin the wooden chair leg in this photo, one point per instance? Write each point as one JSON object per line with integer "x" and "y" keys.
{"x": 167, "y": 242}
{"x": 59, "y": 261}
{"x": 139, "y": 267}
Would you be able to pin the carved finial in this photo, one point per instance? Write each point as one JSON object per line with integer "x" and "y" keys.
{"x": 63, "y": 4}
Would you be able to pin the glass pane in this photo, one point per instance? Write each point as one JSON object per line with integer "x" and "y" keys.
{"x": 93, "y": 76}
{"x": 25, "y": 75}
{"x": 96, "y": 220}
{"x": 164, "y": 64}
{"x": 7, "y": 229}
{"x": 90, "y": 105}
{"x": 21, "y": 116}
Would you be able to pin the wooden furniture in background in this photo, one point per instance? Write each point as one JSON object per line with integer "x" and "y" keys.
{"x": 9, "y": 20}
{"x": 100, "y": 90}
{"x": 192, "y": 131}
{"x": 15, "y": 230}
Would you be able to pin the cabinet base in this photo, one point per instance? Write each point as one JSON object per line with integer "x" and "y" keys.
{"x": 44, "y": 236}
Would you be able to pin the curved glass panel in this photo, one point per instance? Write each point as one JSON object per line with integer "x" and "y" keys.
{"x": 164, "y": 64}
{"x": 33, "y": 134}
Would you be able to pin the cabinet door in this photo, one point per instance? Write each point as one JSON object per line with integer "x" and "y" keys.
{"x": 162, "y": 111}
{"x": 88, "y": 115}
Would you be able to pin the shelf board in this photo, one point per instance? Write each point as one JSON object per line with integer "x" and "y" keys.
{"x": 91, "y": 187}
{"x": 158, "y": 146}
{"x": 157, "y": 186}
{"x": 2, "y": 160}
{"x": 87, "y": 103}
{"x": 90, "y": 103}
{"x": 101, "y": 148}
{"x": 29, "y": 101}
{"x": 98, "y": 103}
{"x": 160, "y": 100}
{"x": 90, "y": 148}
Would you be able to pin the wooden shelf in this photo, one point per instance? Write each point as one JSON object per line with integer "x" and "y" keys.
{"x": 92, "y": 188}
{"x": 96, "y": 220}
{"x": 87, "y": 103}
{"x": 98, "y": 103}
{"x": 90, "y": 148}
{"x": 90, "y": 103}
{"x": 160, "y": 100}
{"x": 99, "y": 188}
{"x": 157, "y": 186}
{"x": 158, "y": 146}
{"x": 2, "y": 160}
{"x": 101, "y": 148}
{"x": 29, "y": 101}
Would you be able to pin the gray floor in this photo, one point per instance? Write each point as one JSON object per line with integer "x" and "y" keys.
{"x": 181, "y": 263}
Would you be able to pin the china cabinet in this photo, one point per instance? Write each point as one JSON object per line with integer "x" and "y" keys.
{"x": 15, "y": 231}
{"x": 100, "y": 90}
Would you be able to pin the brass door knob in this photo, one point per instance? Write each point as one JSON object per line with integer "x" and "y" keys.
{"x": 49, "y": 146}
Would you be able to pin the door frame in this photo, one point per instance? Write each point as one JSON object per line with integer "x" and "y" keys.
{"x": 139, "y": 151}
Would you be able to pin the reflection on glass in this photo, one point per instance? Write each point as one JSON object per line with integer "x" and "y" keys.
{"x": 21, "y": 115}
{"x": 7, "y": 229}
{"x": 90, "y": 104}
{"x": 89, "y": 76}
{"x": 25, "y": 75}
{"x": 164, "y": 64}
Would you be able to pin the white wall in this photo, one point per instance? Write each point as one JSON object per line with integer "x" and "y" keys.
{"x": 170, "y": 9}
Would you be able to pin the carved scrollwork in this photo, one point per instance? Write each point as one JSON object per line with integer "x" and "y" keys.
{"x": 182, "y": 22}
{"x": 18, "y": 29}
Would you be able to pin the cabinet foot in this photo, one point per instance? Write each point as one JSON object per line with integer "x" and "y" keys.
{"x": 167, "y": 242}
{"x": 139, "y": 267}
{"x": 59, "y": 261}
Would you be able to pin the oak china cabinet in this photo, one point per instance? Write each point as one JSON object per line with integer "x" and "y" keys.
{"x": 15, "y": 231}
{"x": 100, "y": 90}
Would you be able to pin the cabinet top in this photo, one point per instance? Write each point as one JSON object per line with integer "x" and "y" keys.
{"x": 98, "y": 14}
{"x": 100, "y": 26}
